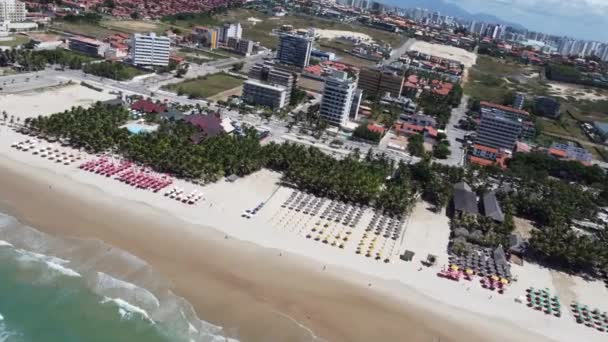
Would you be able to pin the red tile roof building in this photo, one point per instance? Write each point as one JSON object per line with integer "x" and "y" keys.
{"x": 414, "y": 83}
{"x": 486, "y": 156}
{"x": 158, "y": 9}
{"x": 409, "y": 129}
{"x": 148, "y": 106}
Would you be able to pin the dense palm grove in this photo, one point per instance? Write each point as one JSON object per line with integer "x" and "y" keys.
{"x": 372, "y": 179}
{"x": 30, "y": 60}
{"x": 552, "y": 193}
{"x": 529, "y": 189}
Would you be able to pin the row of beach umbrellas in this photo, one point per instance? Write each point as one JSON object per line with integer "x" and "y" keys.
{"x": 593, "y": 318}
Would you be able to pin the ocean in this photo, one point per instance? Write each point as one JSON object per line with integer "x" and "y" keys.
{"x": 76, "y": 290}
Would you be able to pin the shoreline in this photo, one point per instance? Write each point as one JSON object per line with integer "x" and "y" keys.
{"x": 260, "y": 278}
{"x": 217, "y": 275}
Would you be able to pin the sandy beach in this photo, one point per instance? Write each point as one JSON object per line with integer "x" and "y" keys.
{"x": 261, "y": 279}
{"x": 232, "y": 283}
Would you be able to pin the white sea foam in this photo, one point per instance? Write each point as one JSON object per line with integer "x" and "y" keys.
{"x": 64, "y": 270}
{"x": 107, "y": 282}
{"x": 126, "y": 309}
{"x": 157, "y": 305}
{"x": 6, "y": 335}
{"x": 52, "y": 262}
{"x": 1, "y": 317}
{"x": 192, "y": 329}
{"x": 6, "y": 244}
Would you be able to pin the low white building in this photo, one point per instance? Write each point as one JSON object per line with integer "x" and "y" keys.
{"x": 7, "y": 27}
{"x": 269, "y": 95}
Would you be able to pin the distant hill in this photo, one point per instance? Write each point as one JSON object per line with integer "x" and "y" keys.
{"x": 452, "y": 10}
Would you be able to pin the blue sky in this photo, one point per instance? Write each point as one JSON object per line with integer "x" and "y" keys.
{"x": 577, "y": 18}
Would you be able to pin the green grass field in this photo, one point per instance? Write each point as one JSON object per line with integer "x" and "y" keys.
{"x": 491, "y": 79}
{"x": 261, "y": 31}
{"x": 134, "y": 26}
{"x": 16, "y": 41}
{"x": 85, "y": 29}
{"x": 206, "y": 86}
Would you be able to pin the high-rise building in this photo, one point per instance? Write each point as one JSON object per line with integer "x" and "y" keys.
{"x": 12, "y": 10}
{"x": 206, "y": 36}
{"x": 337, "y": 98}
{"x": 501, "y": 126}
{"x": 510, "y": 112}
{"x": 150, "y": 49}
{"x": 376, "y": 82}
{"x": 230, "y": 30}
{"x": 356, "y": 103}
{"x": 294, "y": 49}
{"x": 269, "y": 95}
{"x": 498, "y": 131}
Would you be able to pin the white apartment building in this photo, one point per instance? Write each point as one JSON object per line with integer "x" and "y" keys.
{"x": 150, "y": 49}
{"x": 337, "y": 98}
{"x": 12, "y": 10}
{"x": 230, "y": 30}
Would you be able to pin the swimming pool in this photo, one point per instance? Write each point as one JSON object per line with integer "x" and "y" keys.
{"x": 136, "y": 128}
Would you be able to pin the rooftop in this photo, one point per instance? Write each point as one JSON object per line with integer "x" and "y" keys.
{"x": 504, "y": 108}
{"x": 87, "y": 40}
{"x": 465, "y": 199}
{"x": 209, "y": 125}
{"x": 148, "y": 106}
{"x": 491, "y": 207}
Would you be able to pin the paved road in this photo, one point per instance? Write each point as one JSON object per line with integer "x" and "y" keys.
{"x": 454, "y": 133}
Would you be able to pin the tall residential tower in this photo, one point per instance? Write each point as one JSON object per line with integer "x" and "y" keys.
{"x": 337, "y": 98}
{"x": 150, "y": 49}
{"x": 294, "y": 49}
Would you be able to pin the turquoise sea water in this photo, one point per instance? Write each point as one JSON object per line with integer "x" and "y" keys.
{"x": 59, "y": 290}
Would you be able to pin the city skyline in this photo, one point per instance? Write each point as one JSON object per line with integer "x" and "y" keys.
{"x": 585, "y": 19}
{"x": 581, "y": 19}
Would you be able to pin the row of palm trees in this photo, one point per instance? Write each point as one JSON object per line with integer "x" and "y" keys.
{"x": 369, "y": 180}
{"x": 12, "y": 120}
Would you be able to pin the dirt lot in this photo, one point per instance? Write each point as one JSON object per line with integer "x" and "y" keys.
{"x": 134, "y": 26}
{"x": 445, "y": 51}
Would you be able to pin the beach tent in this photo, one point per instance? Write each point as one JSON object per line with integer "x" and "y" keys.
{"x": 232, "y": 178}
{"x": 407, "y": 256}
